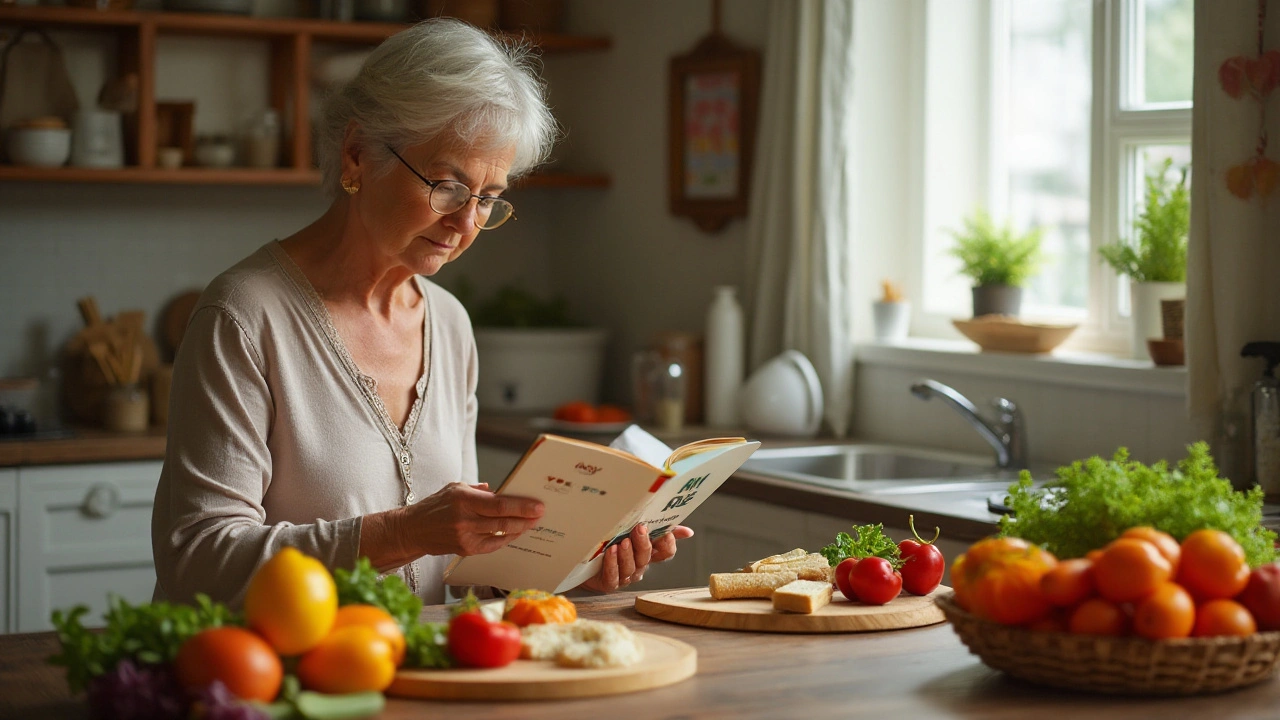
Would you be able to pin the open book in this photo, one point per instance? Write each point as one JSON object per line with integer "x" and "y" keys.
{"x": 594, "y": 495}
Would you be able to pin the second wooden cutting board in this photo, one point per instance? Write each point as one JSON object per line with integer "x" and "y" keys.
{"x": 694, "y": 606}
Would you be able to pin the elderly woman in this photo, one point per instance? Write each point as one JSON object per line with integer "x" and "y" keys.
{"x": 324, "y": 395}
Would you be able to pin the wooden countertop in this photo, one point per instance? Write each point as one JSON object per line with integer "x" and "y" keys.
{"x": 918, "y": 673}
{"x": 84, "y": 446}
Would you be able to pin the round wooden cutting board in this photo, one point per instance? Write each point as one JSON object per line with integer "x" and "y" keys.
{"x": 694, "y": 606}
{"x": 665, "y": 662}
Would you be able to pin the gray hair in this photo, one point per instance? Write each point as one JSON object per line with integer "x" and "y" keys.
{"x": 440, "y": 76}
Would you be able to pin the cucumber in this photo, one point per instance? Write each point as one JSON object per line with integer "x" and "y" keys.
{"x": 318, "y": 706}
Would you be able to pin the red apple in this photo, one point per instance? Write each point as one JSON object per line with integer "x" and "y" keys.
{"x": 1261, "y": 596}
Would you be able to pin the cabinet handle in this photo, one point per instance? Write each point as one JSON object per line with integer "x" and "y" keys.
{"x": 102, "y": 501}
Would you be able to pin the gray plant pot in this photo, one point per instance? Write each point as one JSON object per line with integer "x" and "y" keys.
{"x": 997, "y": 300}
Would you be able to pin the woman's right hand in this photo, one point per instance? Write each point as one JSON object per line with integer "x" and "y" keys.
{"x": 464, "y": 519}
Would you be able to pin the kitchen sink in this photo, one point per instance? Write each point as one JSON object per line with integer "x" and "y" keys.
{"x": 881, "y": 469}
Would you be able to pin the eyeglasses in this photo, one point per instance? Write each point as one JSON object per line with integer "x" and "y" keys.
{"x": 449, "y": 196}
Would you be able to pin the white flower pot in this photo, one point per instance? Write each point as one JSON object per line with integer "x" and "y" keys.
{"x": 1144, "y": 315}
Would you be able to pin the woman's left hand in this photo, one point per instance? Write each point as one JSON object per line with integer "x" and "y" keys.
{"x": 626, "y": 562}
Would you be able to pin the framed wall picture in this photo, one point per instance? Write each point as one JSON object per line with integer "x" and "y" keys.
{"x": 713, "y": 98}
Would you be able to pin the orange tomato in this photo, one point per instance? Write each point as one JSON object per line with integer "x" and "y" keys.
{"x": 1163, "y": 541}
{"x": 291, "y": 601}
{"x": 1129, "y": 570}
{"x": 244, "y": 662}
{"x": 1096, "y": 616}
{"x": 576, "y": 411}
{"x": 377, "y": 619}
{"x": 351, "y": 659}
{"x": 1223, "y": 617}
{"x": 1069, "y": 583}
{"x": 534, "y": 607}
{"x": 958, "y": 584}
{"x": 1213, "y": 565}
{"x": 1168, "y": 612}
{"x": 1002, "y": 581}
{"x": 1053, "y": 622}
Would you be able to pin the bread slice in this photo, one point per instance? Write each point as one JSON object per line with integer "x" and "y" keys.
{"x": 796, "y": 554}
{"x": 802, "y": 596}
{"x": 726, "y": 586}
{"x": 812, "y": 566}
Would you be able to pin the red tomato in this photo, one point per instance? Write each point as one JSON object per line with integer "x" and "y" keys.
{"x": 240, "y": 658}
{"x": 476, "y": 642}
{"x": 1261, "y": 596}
{"x": 576, "y": 411}
{"x": 874, "y": 581}
{"x": 842, "y": 577}
{"x": 922, "y": 563}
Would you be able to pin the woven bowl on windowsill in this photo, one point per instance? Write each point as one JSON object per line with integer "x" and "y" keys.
{"x": 1117, "y": 666}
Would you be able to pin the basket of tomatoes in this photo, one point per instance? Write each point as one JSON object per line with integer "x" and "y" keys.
{"x": 1143, "y": 615}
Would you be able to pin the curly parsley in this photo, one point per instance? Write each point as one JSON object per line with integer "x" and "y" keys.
{"x": 866, "y": 541}
{"x": 1094, "y": 500}
{"x": 148, "y": 634}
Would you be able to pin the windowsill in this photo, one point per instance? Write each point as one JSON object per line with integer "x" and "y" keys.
{"x": 1076, "y": 369}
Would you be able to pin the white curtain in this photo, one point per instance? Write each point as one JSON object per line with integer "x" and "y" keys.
{"x": 1233, "y": 268}
{"x": 798, "y": 232}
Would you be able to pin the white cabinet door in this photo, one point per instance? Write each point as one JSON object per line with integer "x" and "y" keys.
{"x": 84, "y": 532}
{"x": 8, "y": 545}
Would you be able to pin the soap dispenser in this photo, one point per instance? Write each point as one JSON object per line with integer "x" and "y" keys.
{"x": 1266, "y": 417}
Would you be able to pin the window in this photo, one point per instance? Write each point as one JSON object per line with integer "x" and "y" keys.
{"x": 1082, "y": 99}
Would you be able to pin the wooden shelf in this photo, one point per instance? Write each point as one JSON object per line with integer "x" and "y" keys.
{"x": 291, "y": 40}
{"x": 249, "y": 26}
{"x": 245, "y": 176}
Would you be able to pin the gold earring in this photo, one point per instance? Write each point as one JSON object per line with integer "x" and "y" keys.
{"x": 351, "y": 187}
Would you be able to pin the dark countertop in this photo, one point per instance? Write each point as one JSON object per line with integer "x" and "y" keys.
{"x": 917, "y": 673}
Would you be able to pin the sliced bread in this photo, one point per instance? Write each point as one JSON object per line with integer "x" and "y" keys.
{"x": 796, "y": 554}
{"x": 812, "y": 566}
{"x": 802, "y": 596}
{"x": 726, "y": 586}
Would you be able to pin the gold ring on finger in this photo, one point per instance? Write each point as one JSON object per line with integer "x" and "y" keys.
{"x": 499, "y": 533}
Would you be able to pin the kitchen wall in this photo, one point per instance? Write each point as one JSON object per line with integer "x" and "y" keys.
{"x": 622, "y": 260}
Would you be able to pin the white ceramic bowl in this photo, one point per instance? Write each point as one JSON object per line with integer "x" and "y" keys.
{"x": 783, "y": 397}
{"x": 39, "y": 147}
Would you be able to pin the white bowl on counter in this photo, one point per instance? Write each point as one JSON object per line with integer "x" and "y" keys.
{"x": 39, "y": 147}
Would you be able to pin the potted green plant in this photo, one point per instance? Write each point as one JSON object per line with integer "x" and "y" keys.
{"x": 1155, "y": 259}
{"x": 999, "y": 260}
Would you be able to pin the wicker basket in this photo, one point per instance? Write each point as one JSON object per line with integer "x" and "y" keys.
{"x": 1117, "y": 666}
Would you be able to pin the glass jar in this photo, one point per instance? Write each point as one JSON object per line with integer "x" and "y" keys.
{"x": 127, "y": 408}
{"x": 671, "y": 396}
{"x": 262, "y": 141}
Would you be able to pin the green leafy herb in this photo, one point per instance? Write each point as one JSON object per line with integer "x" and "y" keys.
{"x": 866, "y": 541}
{"x": 148, "y": 634}
{"x": 362, "y": 584}
{"x": 427, "y": 646}
{"x": 1095, "y": 500}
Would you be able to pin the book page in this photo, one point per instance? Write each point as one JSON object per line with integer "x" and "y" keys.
{"x": 637, "y": 441}
{"x": 585, "y": 488}
{"x": 696, "y": 478}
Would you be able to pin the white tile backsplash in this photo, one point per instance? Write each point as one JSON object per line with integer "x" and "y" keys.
{"x": 1064, "y": 423}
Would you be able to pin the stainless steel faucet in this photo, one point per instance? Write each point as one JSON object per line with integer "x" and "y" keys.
{"x": 1006, "y": 435}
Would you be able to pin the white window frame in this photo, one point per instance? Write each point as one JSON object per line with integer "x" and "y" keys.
{"x": 1118, "y": 132}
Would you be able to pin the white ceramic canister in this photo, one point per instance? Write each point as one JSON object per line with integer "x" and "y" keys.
{"x": 98, "y": 140}
{"x": 724, "y": 360}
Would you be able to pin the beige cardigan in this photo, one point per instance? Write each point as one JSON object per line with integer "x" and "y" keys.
{"x": 276, "y": 438}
